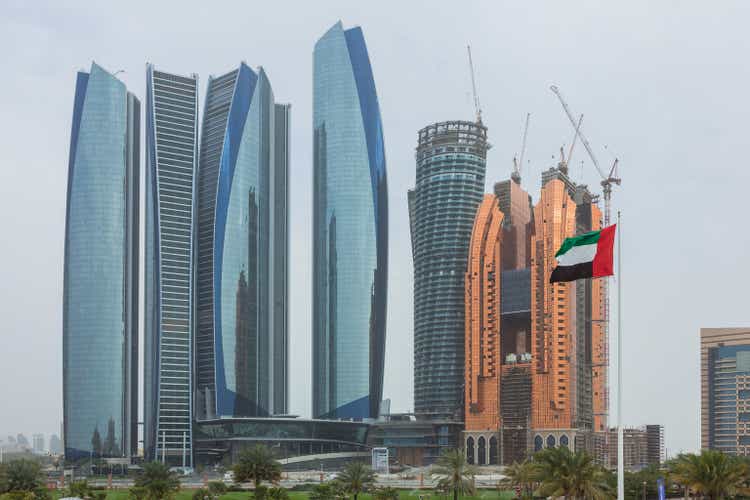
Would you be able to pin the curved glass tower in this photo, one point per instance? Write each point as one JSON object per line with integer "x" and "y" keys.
{"x": 100, "y": 290}
{"x": 241, "y": 242}
{"x": 350, "y": 232}
{"x": 451, "y": 163}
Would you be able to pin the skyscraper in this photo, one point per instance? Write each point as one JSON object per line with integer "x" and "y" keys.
{"x": 242, "y": 247}
{"x": 725, "y": 390}
{"x": 171, "y": 156}
{"x": 350, "y": 230}
{"x": 565, "y": 322}
{"x": 451, "y": 162}
{"x": 100, "y": 289}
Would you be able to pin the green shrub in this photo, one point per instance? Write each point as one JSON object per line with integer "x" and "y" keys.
{"x": 260, "y": 493}
{"x": 201, "y": 494}
{"x": 217, "y": 488}
{"x": 278, "y": 493}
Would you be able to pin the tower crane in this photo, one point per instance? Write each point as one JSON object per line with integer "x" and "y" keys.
{"x": 607, "y": 180}
{"x": 518, "y": 165}
{"x": 477, "y": 106}
{"x": 563, "y": 165}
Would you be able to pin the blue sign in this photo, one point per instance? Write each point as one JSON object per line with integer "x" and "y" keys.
{"x": 660, "y": 487}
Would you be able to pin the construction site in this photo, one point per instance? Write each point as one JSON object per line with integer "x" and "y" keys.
{"x": 536, "y": 353}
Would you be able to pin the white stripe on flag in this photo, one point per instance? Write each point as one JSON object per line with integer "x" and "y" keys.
{"x": 577, "y": 255}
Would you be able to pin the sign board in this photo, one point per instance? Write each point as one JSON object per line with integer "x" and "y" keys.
{"x": 660, "y": 487}
{"x": 380, "y": 460}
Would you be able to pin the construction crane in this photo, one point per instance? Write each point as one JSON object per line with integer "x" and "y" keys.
{"x": 607, "y": 180}
{"x": 477, "y": 106}
{"x": 563, "y": 165}
{"x": 518, "y": 165}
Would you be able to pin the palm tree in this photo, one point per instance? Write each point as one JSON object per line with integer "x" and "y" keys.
{"x": 356, "y": 478}
{"x": 157, "y": 481}
{"x": 713, "y": 474}
{"x": 257, "y": 464}
{"x": 455, "y": 474}
{"x": 563, "y": 473}
{"x": 521, "y": 475}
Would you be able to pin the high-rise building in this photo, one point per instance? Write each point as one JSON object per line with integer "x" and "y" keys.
{"x": 55, "y": 445}
{"x": 451, "y": 161}
{"x": 725, "y": 390}
{"x": 655, "y": 451}
{"x": 567, "y": 337}
{"x": 100, "y": 288}
{"x": 242, "y": 248}
{"x": 350, "y": 230}
{"x": 171, "y": 157}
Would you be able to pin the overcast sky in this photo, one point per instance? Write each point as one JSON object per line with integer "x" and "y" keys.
{"x": 664, "y": 85}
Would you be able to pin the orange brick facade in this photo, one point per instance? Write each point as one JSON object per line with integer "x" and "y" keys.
{"x": 552, "y": 312}
{"x": 482, "y": 334}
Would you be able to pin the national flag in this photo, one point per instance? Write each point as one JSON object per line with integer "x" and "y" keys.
{"x": 586, "y": 256}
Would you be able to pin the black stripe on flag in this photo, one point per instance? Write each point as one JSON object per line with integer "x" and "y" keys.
{"x": 572, "y": 273}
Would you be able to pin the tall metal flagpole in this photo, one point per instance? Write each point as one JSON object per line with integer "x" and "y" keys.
{"x": 620, "y": 443}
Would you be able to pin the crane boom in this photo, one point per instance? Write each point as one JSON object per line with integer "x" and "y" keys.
{"x": 477, "y": 106}
{"x": 586, "y": 144}
{"x": 575, "y": 136}
{"x": 518, "y": 165}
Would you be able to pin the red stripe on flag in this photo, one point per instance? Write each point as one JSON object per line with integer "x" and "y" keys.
{"x": 603, "y": 264}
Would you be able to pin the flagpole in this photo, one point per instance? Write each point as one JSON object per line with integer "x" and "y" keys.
{"x": 620, "y": 443}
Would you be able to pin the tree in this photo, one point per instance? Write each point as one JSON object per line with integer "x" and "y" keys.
{"x": 20, "y": 476}
{"x": 257, "y": 464}
{"x": 158, "y": 482}
{"x": 455, "y": 474}
{"x": 521, "y": 475}
{"x": 712, "y": 473}
{"x": 563, "y": 473}
{"x": 356, "y": 478}
{"x": 216, "y": 488}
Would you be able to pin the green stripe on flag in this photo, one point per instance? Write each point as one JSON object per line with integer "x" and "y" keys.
{"x": 585, "y": 239}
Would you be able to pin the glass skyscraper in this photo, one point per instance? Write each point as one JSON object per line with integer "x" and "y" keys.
{"x": 100, "y": 290}
{"x": 171, "y": 157}
{"x": 451, "y": 163}
{"x": 242, "y": 243}
{"x": 350, "y": 230}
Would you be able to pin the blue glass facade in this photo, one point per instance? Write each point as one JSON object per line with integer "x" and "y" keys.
{"x": 350, "y": 230}
{"x": 171, "y": 155}
{"x": 242, "y": 244}
{"x": 100, "y": 290}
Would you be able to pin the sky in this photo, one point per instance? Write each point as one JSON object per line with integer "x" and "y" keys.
{"x": 663, "y": 87}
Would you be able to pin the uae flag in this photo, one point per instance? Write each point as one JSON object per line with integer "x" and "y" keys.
{"x": 586, "y": 256}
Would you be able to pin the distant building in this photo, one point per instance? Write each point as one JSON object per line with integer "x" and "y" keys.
{"x": 55, "y": 444}
{"x": 725, "y": 390}
{"x": 451, "y": 161}
{"x": 171, "y": 158}
{"x": 37, "y": 446}
{"x": 642, "y": 447}
{"x": 242, "y": 245}
{"x": 350, "y": 230}
{"x": 100, "y": 282}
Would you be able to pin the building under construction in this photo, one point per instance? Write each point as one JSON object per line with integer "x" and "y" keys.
{"x": 536, "y": 354}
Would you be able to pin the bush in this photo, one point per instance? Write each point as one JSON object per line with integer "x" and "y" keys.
{"x": 201, "y": 494}
{"x": 278, "y": 493}
{"x": 217, "y": 488}
{"x": 137, "y": 493}
{"x": 385, "y": 493}
{"x": 260, "y": 493}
